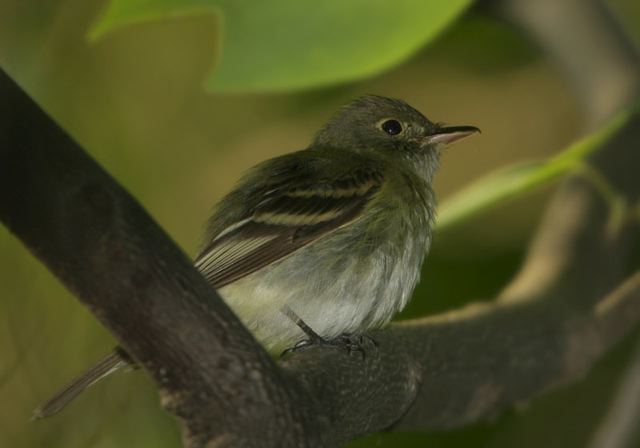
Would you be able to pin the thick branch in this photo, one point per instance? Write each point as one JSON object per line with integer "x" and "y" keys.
{"x": 106, "y": 249}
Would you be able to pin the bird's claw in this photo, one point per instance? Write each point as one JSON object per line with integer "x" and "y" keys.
{"x": 349, "y": 342}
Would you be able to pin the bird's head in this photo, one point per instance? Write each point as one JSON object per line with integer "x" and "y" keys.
{"x": 392, "y": 127}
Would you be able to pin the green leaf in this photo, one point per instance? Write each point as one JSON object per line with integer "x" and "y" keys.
{"x": 515, "y": 180}
{"x": 280, "y": 45}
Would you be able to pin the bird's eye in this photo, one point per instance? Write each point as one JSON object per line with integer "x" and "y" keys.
{"x": 391, "y": 127}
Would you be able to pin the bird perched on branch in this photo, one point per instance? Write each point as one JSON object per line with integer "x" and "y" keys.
{"x": 317, "y": 246}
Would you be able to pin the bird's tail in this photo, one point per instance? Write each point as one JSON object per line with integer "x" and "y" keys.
{"x": 115, "y": 360}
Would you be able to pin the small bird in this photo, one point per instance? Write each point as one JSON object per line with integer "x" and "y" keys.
{"x": 318, "y": 246}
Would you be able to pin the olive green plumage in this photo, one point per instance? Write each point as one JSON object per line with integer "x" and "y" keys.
{"x": 335, "y": 233}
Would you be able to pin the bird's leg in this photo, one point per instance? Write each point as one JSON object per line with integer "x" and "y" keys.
{"x": 349, "y": 341}
{"x": 353, "y": 342}
{"x": 314, "y": 338}
{"x": 356, "y": 340}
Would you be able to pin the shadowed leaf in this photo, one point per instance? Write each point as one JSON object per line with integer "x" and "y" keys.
{"x": 515, "y": 180}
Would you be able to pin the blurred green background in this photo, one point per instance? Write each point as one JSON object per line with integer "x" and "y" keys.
{"x": 135, "y": 99}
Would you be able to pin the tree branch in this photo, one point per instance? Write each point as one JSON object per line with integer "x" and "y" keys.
{"x": 107, "y": 250}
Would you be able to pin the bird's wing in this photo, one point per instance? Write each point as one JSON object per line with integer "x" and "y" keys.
{"x": 286, "y": 216}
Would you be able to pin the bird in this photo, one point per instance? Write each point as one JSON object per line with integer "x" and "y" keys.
{"x": 318, "y": 246}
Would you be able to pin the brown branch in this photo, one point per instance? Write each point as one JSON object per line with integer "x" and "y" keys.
{"x": 107, "y": 250}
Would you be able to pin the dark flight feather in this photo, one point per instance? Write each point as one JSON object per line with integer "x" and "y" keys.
{"x": 285, "y": 218}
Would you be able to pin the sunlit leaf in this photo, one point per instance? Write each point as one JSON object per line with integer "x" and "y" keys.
{"x": 517, "y": 179}
{"x": 282, "y": 45}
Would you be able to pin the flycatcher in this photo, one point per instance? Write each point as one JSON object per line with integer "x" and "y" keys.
{"x": 317, "y": 246}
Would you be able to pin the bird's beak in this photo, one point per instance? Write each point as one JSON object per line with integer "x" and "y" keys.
{"x": 445, "y": 135}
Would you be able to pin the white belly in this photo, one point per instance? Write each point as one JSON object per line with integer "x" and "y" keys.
{"x": 340, "y": 284}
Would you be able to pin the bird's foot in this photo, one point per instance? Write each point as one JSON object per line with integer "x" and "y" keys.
{"x": 349, "y": 342}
